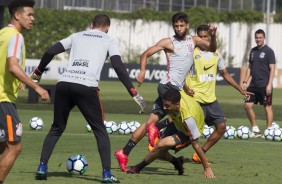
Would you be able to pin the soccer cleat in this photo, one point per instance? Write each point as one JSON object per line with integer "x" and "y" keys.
{"x": 153, "y": 133}
{"x": 179, "y": 166}
{"x": 109, "y": 178}
{"x": 133, "y": 170}
{"x": 255, "y": 134}
{"x": 122, "y": 160}
{"x": 150, "y": 148}
{"x": 41, "y": 173}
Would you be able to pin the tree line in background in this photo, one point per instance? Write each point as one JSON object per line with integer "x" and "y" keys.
{"x": 53, "y": 25}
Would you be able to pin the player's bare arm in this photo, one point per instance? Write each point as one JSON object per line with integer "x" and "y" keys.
{"x": 188, "y": 90}
{"x": 228, "y": 78}
{"x": 164, "y": 44}
{"x": 246, "y": 79}
{"x": 207, "y": 169}
{"x": 271, "y": 76}
{"x": 17, "y": 71}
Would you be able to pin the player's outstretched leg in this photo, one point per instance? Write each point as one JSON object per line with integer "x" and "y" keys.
{"x": 122, "y": 155}
{"x": 138, "y": 134}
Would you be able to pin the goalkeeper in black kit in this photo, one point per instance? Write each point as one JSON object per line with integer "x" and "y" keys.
{"x": 78, "y": 86}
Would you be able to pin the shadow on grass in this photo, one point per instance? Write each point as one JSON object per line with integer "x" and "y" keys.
{"x": 68, "y": 175}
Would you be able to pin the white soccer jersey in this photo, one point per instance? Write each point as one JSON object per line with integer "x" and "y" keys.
{"x": 88, "y": 52}
{"x": 180, "y": 62}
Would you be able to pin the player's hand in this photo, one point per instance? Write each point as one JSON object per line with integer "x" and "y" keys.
{"x": 244, "y": 86}
{"x": 153, "y": 133}
{"x": 35, "y": 75}
{"x": 190, "y": 92}
{"x": 140, "y": 101}
{"x": 22, "y": 87}
{"x": 140, "y": 78}
{"x": 212, "y": 30}
{"x": 44, "y": 95}
{"x": 268, "y": 90}
{"x": 208, "y": 173}
{"x": 247, "y": 95}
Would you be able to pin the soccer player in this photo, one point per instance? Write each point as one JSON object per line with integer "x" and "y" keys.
{"x": 261, "y": 71}
{"x": 78, "y": 86}
{"x": 179, "y": 53}
{"x": 187, "y": 127}
{"x": 12, "y": 61}
{"x": 201, "y": 83}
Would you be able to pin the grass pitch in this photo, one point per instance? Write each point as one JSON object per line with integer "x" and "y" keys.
{"x": 252, "y": 161}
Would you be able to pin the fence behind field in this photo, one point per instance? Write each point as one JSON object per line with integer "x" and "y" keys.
{"x": 158, "y": 5}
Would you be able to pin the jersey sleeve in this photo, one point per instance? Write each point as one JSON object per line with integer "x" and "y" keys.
{"x": 113, "y": 48}
{"x": 271, "y": 56}
{"x": 15, "y": 46}
{"x": 220, "y": 64}
{"x": 67, "y": 42}
{"x": 193, "y": 129}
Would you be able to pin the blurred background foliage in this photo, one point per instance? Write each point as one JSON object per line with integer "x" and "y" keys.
{"x": 54, "y": 25}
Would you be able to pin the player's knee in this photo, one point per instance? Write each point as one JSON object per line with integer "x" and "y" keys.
{"x": 220, "y": 128}
{"x": 268, "y": 108}
{"x": 19, "y": 148}
{"x": 247, "y": 106}
{"x": 15, "y": 148}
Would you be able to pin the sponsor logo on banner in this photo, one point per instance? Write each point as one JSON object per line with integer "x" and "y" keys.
{"x": 154, "y": 73}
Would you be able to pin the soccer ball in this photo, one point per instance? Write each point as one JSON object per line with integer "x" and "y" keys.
{"x": 88, "y": 128}
{"x": 230, "y": 132}
{"x": 277, "y": 134}
{"x": 133, "y": 125}
{"x": 111, "y": 127}
{"x": 269, "y": 133}
{"x": 123, "y": 128}
{"x": 207, "y": 131}
{"x": 77, "y": 164}
{"x": 274, "y": 125}
{"x": 243, "y": 132}
{"x": 36, "y": 123}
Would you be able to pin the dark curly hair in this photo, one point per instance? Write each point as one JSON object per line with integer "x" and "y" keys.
{"x": 17, "y": 5}
{"x": 179, "y": 16}
{"x": 172, "y": 95}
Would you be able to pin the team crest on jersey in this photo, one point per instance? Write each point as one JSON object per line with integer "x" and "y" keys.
{"x": 262, "y": 55}
{"x": 190, "y": 47}
{"x": 197, "y": 57}
{"x": 2, "y": 133}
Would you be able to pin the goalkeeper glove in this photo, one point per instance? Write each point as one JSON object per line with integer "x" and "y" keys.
{"x": 35, "y": 75}
{"x": 140, "y": 101}
{"x": 153, "y": 133}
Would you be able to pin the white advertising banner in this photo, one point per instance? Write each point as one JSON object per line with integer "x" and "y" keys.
{"x": 55, "y": 68}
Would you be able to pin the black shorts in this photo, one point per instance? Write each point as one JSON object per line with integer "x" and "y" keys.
{"x": 182, "y": 140}
{"x": 259, "y": 96}
{"x": 10, "y": 126}
{"x": 158, "y": 104}
{"x": 213, "y": 113}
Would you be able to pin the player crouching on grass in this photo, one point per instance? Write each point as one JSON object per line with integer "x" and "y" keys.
{"x": 78, "y": 86}
{"x": 187, "y": 126}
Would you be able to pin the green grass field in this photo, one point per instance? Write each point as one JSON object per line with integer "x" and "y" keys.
{"x": 252, "y": 161}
